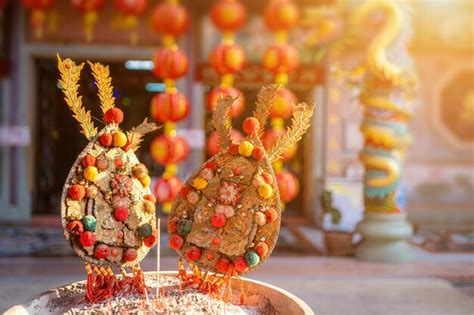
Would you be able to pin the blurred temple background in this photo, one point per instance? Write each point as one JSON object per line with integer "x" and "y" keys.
{"x": 323, "y": 181}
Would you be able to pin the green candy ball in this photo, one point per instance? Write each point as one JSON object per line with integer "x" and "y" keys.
{"x": 145, "y": 230}
{"x": 89, "y": 222}
{"x": 252, "y": 258}
{"x": 184, "y": 227}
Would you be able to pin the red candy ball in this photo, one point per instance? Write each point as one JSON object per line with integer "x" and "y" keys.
{"x": 218, "y": 220}
{"x": 271, "y": 215}
{"x": 234, "y": 148}
{"x": 211, "y": 165}
{"x": 87, "y": 239}
{"x": 176, "y": 241}
{"x": 267, "y": 177}
{"x": 258, "y": 153}
{"x": 193, "y": 253}
{"x": 121, "y": 214}
{"x": 241, "y": 265}
{"x": 251, "y": 125}
{"x": 150, "y": 241}
{"x": 75, "y": 227}
{"x": 216, "y": 240}
{"x": 101, "y": 251}
{"x": 222, "y": 265}
{"x": 105, "y": 139}
{"x": 76, "y": 192}
{"x": 130, "y": 254}
{"x": 113, "y": 115}
{"x": 88, "y": 160}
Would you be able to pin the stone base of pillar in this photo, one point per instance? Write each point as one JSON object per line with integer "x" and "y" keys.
{"x": 384, "y": 238}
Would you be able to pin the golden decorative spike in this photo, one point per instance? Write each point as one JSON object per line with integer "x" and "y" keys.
{"x": 104, "y": 84}
{"x": 221, "y": 122}
{"x": 135, "y": 135}
{"x": 265, "y": 99}
{"x": 70, "y": 74}
{"x": 300, "y": 122}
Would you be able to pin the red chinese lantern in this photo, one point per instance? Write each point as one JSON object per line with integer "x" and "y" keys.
{"x": 280, "y": 15}
{"x": 170, "y": 63}
{"x": 170, "y": 19}
{"x": 227, "y": 58}
{"x": 213, "y": 141}
{"x": 166, "y": 189}
{"x": 237, "y": 107}
{"x": 270, "y": 138}
{"x": 281, "y": 58}
{"x": 169, "y": 150}
{"x": 37, "y": 9}
{"x": 3, "y": 4}
{"x": 169, "y": 106}
{"x": 283, "y": 103}
{"x": 228, "y": 15}
{"x": 89, "y": 9}
{"x": 287, "y": 185}
{"x": 131, "y": 7}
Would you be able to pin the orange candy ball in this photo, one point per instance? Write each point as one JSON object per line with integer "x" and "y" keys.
{"x": 76, "y": 192}
{"x": 251, "y": 125}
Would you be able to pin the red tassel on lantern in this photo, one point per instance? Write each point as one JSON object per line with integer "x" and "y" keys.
{"x": 37, "y": 10}
{"x": 169, "y": 106}
{"x": 169, "y": 150}
{"x": 89, "y": 9}
{"x": 131, "y": 10}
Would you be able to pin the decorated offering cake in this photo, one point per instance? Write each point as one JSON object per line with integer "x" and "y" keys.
{"x": 226, "y": 218}
{"x": 224, "y": 222}
{"x": 107, "y": 209}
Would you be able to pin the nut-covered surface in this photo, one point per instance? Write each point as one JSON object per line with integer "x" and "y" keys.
{"x": 225, "y": 213}
{"x": 104, "y": 203}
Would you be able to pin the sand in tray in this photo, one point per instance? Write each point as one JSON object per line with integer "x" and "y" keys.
{"x": 174, "y": 301}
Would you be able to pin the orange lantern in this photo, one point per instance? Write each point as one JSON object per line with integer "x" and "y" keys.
{"x": 281, "y": 58}
{"x": 237, "y": 107}
{"x": 228, "y": 15}
{"x": 213, "y": 141}
{"x": 287, "y": 185}
{"x": 281, "y": 15}
{"x": 130, "y": 10}
{"x": 169, "y": 106}
{"x": 170, "y": 19}
{"x": 283, "y": 103}
{"x": 166, "y": 189}
{"x": 227, "y": 58}
{"x": 89, "y": 10}
{"x": 170, "y": 63}
{"x": 168, "y": 150}
{"x": 270, "y": 138}
{"x": 37, "y": 14}
{"x": 131, "y": 7}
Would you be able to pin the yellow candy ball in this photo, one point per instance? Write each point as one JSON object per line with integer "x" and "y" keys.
{"x": 199, "y": 183}
{"x": 265, "y": 191}
{"x": 145, "y": 180}
{"x": 91, "y": 173}
{"x": 245, "y": 148}
{"x": 119, "y": 139}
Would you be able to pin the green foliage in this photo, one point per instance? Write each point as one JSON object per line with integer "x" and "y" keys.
{"x": 326, "y": 203}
